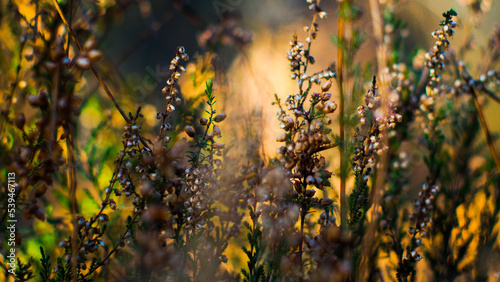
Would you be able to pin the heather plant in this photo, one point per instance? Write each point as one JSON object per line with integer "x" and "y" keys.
{"x": 385, "y": 169}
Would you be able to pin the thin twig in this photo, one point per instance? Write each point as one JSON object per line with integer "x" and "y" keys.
{"x": 490, "y": 94}
{"x": 468, "y": 79}
{"x": 486, "y": 131}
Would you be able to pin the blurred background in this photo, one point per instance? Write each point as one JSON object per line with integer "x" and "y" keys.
{"x": 142, "y": 39}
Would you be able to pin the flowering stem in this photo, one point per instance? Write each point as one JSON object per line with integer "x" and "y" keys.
{"x": 115, "y": 248}
{"x": 211, "y": 103}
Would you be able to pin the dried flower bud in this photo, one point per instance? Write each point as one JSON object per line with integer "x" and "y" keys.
{"x": 281, "y": 138}
{"x": 20, "y": 120}
{"x": 217, "y": 131}
{"x": 325, "y": 202}
{"x": 310, "y": 192}
{"x": 83, "y": 63}
{"x": 112, "y": 204}
{"x": 203, "y": 121}
{"x": 310, "y": 179}
{"x": 103, "y": 218}
{"x": 39, "y": 214}
{"x": 189, "y": 131}
{"x": 326, "y": 86}
{"x": 164, "y": 90}
{"x": 219, "y": 118}
{"x": 40, "y": 190}
{"x": 218, "y": 146}
{"x": 89, "y": 44}
{"x": 33, "y": 100}
{"x": 326, "y": 96}
{"x": 94, "y": 55}
{"x": 330, "y": 107}
{"x": 170, "y": 108}
{"x": 289, "y": 122}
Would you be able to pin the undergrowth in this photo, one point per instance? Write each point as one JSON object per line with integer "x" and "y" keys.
{"x": 404, "y": 135}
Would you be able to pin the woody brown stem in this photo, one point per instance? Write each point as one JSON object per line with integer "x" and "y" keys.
{"x": 486, "y": 131}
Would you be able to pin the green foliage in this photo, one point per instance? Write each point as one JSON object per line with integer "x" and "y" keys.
{"x": 203, "y": 143}
{"x": 358, "y": 200}
{"x": 23, "y": 271}
{"x": 448, "y": 16}
{"x": 255, "y": 253}
{"x": 46, "y": 270}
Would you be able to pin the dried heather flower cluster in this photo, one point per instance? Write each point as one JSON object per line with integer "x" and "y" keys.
{"x": 296, "y": 55}
{"x": 420, "y": 220}
{"x": 431, "y": 120}
{"x": 434, "y": 60}
{"x": 306, "y": 132}
{"x": 197, "y": 187}
{"x": 368, "y": 137}
{"x": 171, "y": 92}
{"x": 314, "y": 6}
{"x": 424, "y": 206}
{"x": 202, "y": 177}
{"x": 299, "y": 56}
{"x": 91, "y": 231}
{"x": 305, "y": 119}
